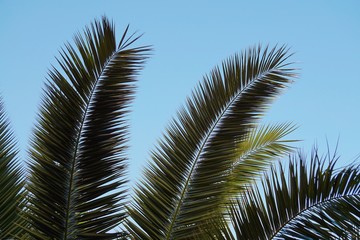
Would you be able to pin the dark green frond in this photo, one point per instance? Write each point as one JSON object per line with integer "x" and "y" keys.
{"x": 78, "y": 157}
{"x": 11, "y": 182}
{"x": 302, "y": 201}
{"x": 185, "y": 184}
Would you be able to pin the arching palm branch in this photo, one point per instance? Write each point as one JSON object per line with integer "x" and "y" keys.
{"x": 78, "y": 160}
{"x": 302, "y": 201}
{"x": 11, "y": 182}
{"x": 187, "y": 182}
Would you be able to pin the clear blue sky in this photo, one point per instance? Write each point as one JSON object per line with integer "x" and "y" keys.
{"x": 189, "y": 38}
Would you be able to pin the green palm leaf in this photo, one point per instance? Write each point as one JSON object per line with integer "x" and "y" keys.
{"x": 263, "y": 144}
{"x": 301, "y": 202}
{"x": 256, "y": 153}
{"x": 11, "y": 182}
{"x": 185, "y": 184}
{"x": 78, "y": 163}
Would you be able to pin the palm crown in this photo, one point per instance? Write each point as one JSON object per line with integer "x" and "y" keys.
{"x": 200, "y": 181}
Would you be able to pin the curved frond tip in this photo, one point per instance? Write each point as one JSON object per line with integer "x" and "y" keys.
{"x": 78, "y": 150}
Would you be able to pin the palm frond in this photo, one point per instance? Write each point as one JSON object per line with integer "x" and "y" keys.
{"x": 78, "y": 159}
{"x": 186, "y": 181}
{"x": 302, "y": 201}
{"x": 262, "y": 146}
{"x": 11, "y": 182}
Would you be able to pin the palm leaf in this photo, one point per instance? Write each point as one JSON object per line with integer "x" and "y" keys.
{"x": 185, "y": 183}
{"x": 313, "y": 201}
{"x": 11, "y": 182}
{"x": 78, "y": 163}
{"x": 262, "y": 146}
{"x": 256, "y": 153}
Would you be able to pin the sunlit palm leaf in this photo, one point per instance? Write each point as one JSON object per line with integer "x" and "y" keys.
{"x": 186, "y": 182}
{"x": 262, "y": 145}
{"x": 78, "y": 162}
{"x": 302, "y": 201}
{"x": 11, "y": 182}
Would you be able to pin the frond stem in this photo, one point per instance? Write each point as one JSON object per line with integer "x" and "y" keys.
{"x": 77, "y": 144}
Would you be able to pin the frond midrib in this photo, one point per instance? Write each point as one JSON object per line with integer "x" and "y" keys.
{"x": 306, "y": 209}
{"x": 78, "y": 139}
{"x": 184, "y": 190}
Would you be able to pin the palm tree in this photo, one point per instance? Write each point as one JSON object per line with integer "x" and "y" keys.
{"x": 202, "y": 166}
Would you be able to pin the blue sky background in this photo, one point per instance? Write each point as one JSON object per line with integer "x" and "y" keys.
{"x": 189, "y": 38}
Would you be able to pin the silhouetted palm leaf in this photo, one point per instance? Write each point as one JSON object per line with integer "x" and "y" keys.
{"x": 78, "y": 162}
{"x": 11, "y": 182}
{"x": 302, "y": 201}
{"x": 185, "y": 184}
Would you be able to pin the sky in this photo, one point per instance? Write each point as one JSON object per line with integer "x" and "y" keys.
{"x": 190, "y": 38}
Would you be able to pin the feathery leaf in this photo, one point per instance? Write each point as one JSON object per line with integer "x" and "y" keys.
{"x": 78, "y": 160}
{"x": 313, "y": 201}
{"x": 262, "y": 146}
